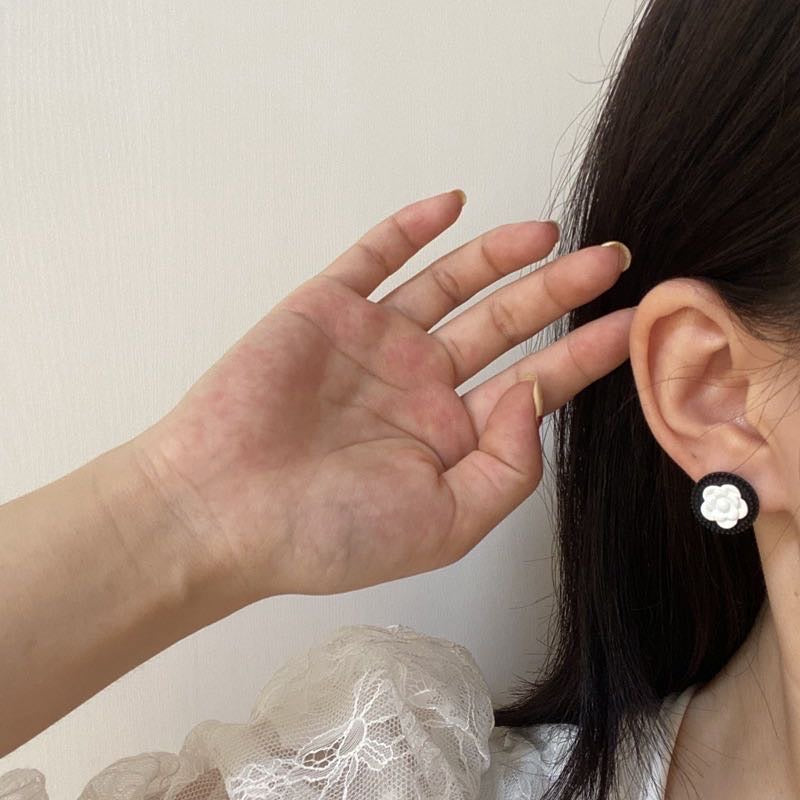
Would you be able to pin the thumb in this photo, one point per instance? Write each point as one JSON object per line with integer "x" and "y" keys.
{"x": 491, "y": 481}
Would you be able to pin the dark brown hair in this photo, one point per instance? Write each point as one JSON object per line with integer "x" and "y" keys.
{"x": 694, "y": 163}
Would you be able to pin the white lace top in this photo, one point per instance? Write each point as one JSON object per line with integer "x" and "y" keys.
{"x": 370, "y": 714}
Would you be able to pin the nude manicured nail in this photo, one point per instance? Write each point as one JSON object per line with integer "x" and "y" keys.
{"x": 624, "y": 253}
{"x": 538, "y": 400}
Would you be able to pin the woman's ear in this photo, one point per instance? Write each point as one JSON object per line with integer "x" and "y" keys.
{"x": 712, "y": 393}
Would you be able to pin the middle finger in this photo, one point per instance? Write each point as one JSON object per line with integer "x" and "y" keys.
{"x": 429, "y": 296}
{"x": 519, "y": 310}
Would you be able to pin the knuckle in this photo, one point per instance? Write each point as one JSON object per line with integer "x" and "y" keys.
{"x": 578, "y": 348}
{"x": 503, "y": 319}
{"x": 448, "y": 284}
{"x": 410, "y": 245}
{"x": 560, "y": 307}
{"x": 455, "y": 358}
{"x": 375, "y": 256}
{"x": 489, "y": 260}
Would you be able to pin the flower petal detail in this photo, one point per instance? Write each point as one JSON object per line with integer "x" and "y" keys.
{"x": 723, "y": 505}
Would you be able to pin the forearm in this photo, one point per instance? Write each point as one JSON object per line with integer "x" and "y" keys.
{"x": 97, "y": 574}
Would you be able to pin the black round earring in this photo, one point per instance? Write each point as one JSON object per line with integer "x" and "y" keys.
{"x": 724, "y": 502}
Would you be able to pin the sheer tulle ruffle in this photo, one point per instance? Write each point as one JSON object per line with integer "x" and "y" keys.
{"x": 370, "y": 713}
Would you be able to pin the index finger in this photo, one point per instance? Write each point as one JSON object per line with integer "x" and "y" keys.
{"x": 384, "y": 248}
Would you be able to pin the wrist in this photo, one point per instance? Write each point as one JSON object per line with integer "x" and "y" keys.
{"x": 229, "y": 509}
{"x": 105, "y": 576}
{"x": 152, "y": 524}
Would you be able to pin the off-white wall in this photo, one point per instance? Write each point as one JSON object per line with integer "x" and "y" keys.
{"x": 168, "y": 172}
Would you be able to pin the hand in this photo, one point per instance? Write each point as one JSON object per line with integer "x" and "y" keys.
{"x": 328, "y": 450}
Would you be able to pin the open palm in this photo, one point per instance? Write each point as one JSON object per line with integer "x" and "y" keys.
{"x": 329, "y": 450}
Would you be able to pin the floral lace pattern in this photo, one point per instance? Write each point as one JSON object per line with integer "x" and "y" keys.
{"x": 371, "y": 713}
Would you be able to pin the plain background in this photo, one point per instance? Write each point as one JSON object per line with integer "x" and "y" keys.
{"x": 168, "y": 172}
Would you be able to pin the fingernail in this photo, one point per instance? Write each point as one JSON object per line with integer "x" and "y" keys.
{"x": 538, "y": 400}
{"x": 461, "y": 194}
{"x": 536, "y": 390}
{"x": 624, "y": 252}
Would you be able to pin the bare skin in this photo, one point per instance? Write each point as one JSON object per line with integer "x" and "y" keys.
{"x": 327, "y": 450}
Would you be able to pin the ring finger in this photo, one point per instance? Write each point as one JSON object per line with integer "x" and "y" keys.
{"x": 519, "y": 310}
{"x": 564, "y": 368}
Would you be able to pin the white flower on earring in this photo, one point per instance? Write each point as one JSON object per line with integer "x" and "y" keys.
{"x": 723, "y": 505}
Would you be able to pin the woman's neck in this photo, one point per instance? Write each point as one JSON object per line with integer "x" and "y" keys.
{"x": 740, "y": 736}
